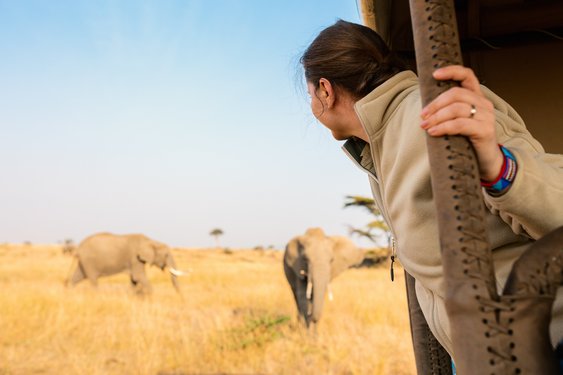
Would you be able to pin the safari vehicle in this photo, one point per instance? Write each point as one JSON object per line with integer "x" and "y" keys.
{"x": 515, "y": 48}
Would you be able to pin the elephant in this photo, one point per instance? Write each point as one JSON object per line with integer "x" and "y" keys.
{"x": 105, "y": 254}
{"x": 310, "y": 262}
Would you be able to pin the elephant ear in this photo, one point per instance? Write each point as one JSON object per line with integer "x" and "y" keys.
{"x": 293, "y": 254}
{"x": 145, "y": 252}
{"x": 345, "y": 255}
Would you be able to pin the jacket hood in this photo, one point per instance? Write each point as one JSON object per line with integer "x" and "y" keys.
{"x": 383, "y": 100}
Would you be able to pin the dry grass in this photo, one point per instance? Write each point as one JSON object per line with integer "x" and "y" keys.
{"x": 235, "y": 315}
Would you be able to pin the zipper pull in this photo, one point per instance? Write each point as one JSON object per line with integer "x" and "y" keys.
{"x": 392, "y": 240}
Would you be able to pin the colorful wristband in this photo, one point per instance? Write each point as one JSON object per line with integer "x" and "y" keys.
{"x": 507, "y": 174}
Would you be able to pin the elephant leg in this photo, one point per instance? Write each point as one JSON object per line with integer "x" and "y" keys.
{"x": 133, "y": 281}
{"x": 77, "y": 276}
{"x": 312, "y": 328}
{"x": 93, "y": 280}
{"x": 89, "y": 272}
{"x": 139, "y": 279}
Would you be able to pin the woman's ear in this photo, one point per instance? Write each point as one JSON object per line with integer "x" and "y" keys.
{"x": 326, "y": 92}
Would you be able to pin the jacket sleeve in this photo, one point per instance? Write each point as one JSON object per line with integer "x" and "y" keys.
{"x": 534, "y": 203}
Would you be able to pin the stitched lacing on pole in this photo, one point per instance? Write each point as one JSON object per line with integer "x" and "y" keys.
{"x": 441, "y": 34}
{"x": 495, "y": 327}
{"x": 477, "y": 260}
{"x": 475, "y": 254}
{"x": 434, "y": 367}
{"x": 437, "y": 355}
{"x": 545, "y": 280}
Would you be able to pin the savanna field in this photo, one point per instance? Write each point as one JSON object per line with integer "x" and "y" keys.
{"x": 235, "y": 315}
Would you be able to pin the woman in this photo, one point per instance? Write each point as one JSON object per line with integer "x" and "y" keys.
{"x": 366, "y": 96}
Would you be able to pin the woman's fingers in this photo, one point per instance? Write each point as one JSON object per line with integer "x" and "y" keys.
{"x": 458, "y": 119}
{"x": 457, "y": 107}
{"x": 451, "y": 112}
{"x": 469, "y": 91}
{"x": 462, "y": 126}
{"x": 465, "y": 76}
{"x": 455, "y": 95}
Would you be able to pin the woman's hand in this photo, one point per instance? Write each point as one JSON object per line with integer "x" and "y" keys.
{"x": 465, "y": 111}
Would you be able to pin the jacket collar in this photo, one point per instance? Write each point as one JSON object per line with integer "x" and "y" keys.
{"x": 359, "y": 151}
{"x": 354, "y": 147}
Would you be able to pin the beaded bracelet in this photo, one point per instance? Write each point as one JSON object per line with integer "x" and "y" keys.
{"x": 507, "y": 174}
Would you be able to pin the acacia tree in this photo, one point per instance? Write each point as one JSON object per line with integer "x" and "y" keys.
{"x": 217, "y": 232}
{"x": 376, "y": 230}
{"x": 68, "y": 246}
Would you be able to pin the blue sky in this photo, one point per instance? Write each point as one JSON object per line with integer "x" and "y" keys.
{"x": 168, "y": 118}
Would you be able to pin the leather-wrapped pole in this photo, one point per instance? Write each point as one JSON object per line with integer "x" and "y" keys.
{"x": 467, "y": 263}
{"x": 431, "y": 358}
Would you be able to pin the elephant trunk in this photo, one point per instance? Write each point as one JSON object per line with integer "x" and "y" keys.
{"x": 171, "y": 264}
{"x": 320, "y": 279}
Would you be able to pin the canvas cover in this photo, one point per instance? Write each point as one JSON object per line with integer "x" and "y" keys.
{"x": 515, "y": 47}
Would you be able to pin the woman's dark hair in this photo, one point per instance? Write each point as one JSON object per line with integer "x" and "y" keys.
{"x": 350, "y": 56}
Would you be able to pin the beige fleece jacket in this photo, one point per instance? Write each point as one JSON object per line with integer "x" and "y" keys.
{"x": 397, "y": 164}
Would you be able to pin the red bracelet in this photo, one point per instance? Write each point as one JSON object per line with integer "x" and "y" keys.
{"x": 501, "y": 173}
{"x": 507, "y": 174}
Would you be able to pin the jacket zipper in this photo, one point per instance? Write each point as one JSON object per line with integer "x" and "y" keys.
{"x": 392, "y": 245}
{"x": 383, "y": 210}
{"x": 379, "y": 204}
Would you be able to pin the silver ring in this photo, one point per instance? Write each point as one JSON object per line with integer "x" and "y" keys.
{"x": 473, "y": 111}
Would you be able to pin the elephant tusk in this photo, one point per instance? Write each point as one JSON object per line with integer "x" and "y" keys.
{"x": 309, "y": 292}
{"x": 330, "y": 296}
{"x": 302, "y": 273}
{"x": 176, "y": 272}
